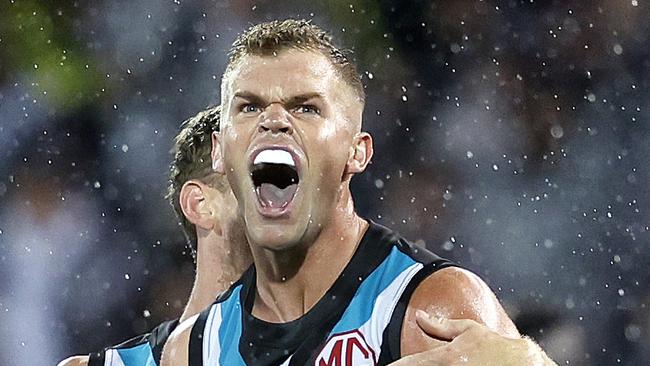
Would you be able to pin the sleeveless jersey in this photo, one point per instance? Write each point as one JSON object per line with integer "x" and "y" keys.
{"x": 357, "y": 322}
{"x": 142, "y": 350}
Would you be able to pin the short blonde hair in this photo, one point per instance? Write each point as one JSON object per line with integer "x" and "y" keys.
{"x": 270, "y": 38}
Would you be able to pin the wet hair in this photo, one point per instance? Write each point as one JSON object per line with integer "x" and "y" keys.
{"x": 270, "y": 38}
{"x": 192, "y": 160}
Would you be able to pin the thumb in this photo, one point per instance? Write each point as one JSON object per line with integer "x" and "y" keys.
{"x": 443, "y": 328}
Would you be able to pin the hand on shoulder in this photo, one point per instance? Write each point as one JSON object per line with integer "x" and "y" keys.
{"x": 473, "y": 344}
{"x": 452, "y": 293}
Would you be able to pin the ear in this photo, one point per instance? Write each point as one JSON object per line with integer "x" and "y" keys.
{"x": 195, "y": 206}
{"x": 216, "y": 155}
{"x": 361, "y": 153}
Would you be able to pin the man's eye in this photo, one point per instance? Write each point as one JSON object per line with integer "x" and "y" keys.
{"x": 250, "y": 108}
{"x": 307, "y": 109}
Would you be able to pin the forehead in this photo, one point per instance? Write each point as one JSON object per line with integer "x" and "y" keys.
{"x": 289, "y": 71}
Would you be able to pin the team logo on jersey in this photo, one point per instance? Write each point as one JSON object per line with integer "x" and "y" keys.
{"x": 346, "y": 349}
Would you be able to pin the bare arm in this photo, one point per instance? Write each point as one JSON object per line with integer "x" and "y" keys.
{"x": 74, "y": 361}
{"x": 176, "y": 350}
{"x": 452, "y": 293}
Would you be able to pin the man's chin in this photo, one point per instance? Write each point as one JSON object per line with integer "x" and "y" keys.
{"x": 275, "y": 239}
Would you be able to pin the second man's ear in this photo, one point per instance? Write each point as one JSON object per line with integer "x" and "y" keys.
{"x": 361, "y": 153}
{"x": 195, "y": 206}
{"x": 216, "y": 155}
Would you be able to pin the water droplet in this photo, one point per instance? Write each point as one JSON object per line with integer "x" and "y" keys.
{"x": 591, "y": 97}
{"x": 618, "y": 49}
{"x": 633, "y": 332}
{"x": 557, "y": 131}
{"x": 448, "y": 246}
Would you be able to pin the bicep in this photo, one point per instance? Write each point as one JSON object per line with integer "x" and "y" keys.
{"x": 176, "y": 350}
{"x": 453, "y": 293}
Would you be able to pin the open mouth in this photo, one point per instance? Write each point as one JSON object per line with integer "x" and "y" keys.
{"x": 275, "y": 178}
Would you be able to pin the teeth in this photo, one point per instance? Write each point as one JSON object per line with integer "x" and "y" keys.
{"x": 273, "y": 156}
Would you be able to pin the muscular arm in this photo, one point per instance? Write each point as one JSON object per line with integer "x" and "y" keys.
{"x": 74, "y": 361}
{"x": 176, "y": 351}
{"x": 452, "y": 293}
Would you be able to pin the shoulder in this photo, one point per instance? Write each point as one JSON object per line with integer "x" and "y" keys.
{"x": 176, "y": 350}
{"x": 453, "y": 293}
{"x": 74, "y": 361}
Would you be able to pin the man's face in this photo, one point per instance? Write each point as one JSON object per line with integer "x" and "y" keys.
{"x": 289, "y": 128}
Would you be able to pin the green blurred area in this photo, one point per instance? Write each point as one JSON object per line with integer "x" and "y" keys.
{"x": 37, "y": 46}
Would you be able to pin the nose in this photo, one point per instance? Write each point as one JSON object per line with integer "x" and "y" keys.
{"x": 275, "y": 119}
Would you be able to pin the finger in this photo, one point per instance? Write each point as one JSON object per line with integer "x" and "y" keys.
{"x": 443, "y": 328}
{"x": 427, "y": 358}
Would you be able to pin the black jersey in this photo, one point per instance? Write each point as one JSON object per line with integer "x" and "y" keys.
{"x": 357, "y": 322}
{"x": 142, "y": 350}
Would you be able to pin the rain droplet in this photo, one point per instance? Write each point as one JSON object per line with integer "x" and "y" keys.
{"x": 591, "y": 97}
{"x": 557, "y": 131}
{"x": 618, "y": 49}
{"x": 632, "y": 332}
{"x": 448, "y": 246}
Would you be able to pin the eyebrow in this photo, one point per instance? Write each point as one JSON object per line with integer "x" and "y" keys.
{"x": 291, "y": 101}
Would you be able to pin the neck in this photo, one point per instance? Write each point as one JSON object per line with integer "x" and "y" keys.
{"x": 220, "y": 260}
{"x": 291, "y": 282}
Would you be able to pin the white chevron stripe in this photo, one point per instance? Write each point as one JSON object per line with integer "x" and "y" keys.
{"x": 373, "y": 329}
{"x": 211, "y": 346}
{"x": 112, "y": 358}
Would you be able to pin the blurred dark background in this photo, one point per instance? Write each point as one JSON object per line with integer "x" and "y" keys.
{"x": 511, "y": 136}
